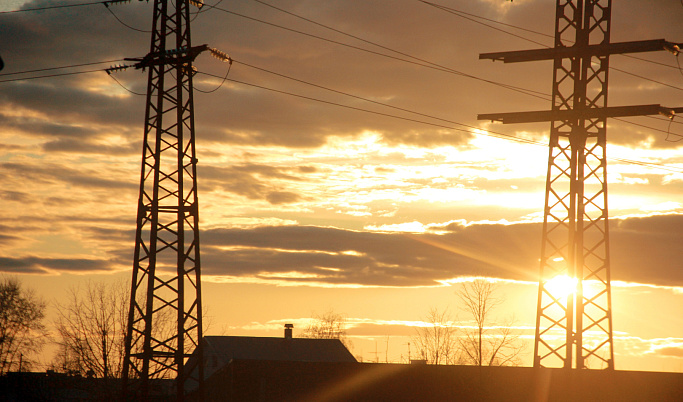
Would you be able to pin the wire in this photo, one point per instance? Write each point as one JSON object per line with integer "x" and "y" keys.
{"x": 355, "y": 96}
{"x": 423, "y": 63}
{"x": 106, "y": 5}
{"x": 51, "y": 75}
{"x": 62, "y": 67}
{"x": 487, "y": 133}
{"x": 456, "y": 12}
{"x": 464, "y": 15}
{"x": 647, "y": 79}
{"x": 219, "y": 85}
{"x": 427, "y": 63}
{"x": 662, "y": 119}
{"x": 450, "y": 9}
{"x": 203, "y": 10}
{"x": 123, "y": 86}
{"x": 491, "y": 133}
{"x": 51, "y": 7}
{"x": 667, "y": 132}
{"x": 459, "y": 14}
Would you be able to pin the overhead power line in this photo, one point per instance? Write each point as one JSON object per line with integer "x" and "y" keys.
{"x": 23, "y": 10}
{"x": 466, "y": 16}
{"x": 463, "y": 14}
{"x": 419, "y": 62}
{"x": 470, "y": 129}
{"x": 458, "y": 12}
{"x": 62, "y": 67}
{"x": 440, "y": 67}
{"x": 51, "y": 75}
{"x": 251, "y": 66}
{"x": 487, "y": 133}
{"x": 426, "y": 63}
{"x": 408, "y": 110}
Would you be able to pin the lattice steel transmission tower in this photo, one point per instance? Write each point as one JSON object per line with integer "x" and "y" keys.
{"x": 165, "y": 316}
{"x": 576, "y": 328}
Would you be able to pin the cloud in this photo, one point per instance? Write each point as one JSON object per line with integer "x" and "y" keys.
{"x": 72, "y": 161}
{"x": 55, "y": 173}
{"x": 282, "y": 197}
{"x": 336, "y": 256}
{"x": 672, "y": 351}
{"x": 322, "y": 256}
{"x": 8, "y": 239}
{"x": 36, "y": 265}
{"x": 253, "y": 181}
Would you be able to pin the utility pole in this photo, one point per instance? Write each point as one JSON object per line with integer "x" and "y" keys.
{"x": 575, "y": 240}
{"x": 166, "y": 282}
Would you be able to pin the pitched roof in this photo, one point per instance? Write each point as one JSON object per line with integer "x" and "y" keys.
{"x": 265, "y": 348}
{"x": 220, "y": 350}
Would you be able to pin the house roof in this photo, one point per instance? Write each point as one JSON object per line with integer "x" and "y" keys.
{"x": 221, "y": 350}
{"x": 227, "y": 348}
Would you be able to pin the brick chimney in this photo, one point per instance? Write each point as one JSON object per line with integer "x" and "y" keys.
{"x": 288, "y": 331}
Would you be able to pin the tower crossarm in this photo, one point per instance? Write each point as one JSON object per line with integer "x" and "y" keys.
{"x": 179, "y": 56}
{"x": 564, "y": 52}
{"x": 586, "y": 113}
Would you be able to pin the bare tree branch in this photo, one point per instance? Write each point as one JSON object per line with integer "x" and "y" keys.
{"x": 484, "y": 346}
{"x": 436, "y": 341}
{"x": 329, "y": 325}
{"x": 22, "y": 333}
{"x": 91, "y": 328}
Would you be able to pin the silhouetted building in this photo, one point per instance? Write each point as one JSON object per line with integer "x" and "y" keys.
{"x": 298, "y": 369}
{"x": 220, "y": 351}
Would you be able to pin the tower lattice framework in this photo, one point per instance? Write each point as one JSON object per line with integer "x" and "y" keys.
{"x": 575, "y": 240}
{"x": 165, "y": 315}
{"x": 574, "y": 329}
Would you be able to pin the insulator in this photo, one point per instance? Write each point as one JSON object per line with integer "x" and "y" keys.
{"x": 176, "y": 51}
{"x": 672, "y": 47}
{"x": 222, "y": 56}
{"x": 117, "y": 68}
{"x": 109, "y": 2}
{"x": 668, "y": 113}
{"x": 197, "y": 3}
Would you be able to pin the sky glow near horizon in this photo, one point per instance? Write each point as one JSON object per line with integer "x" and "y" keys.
{"x": 326, "y": 207}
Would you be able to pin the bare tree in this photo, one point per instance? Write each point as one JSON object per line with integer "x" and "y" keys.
{"x": 22, "y": 333}
{"x": 486, "y": 346}
{"x": 91, "y": 327}
{"x": 436, "y": 341}
{"x": 329, "y": 325}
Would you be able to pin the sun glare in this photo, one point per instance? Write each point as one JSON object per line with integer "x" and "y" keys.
{"x": 561, "y": 286}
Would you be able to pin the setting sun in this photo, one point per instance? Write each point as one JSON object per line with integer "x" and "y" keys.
{"x": 561, "y": 286}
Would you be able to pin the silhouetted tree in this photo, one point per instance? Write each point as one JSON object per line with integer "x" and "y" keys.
{"x": 91, "y": 327}
{"x": 436, "y": 341}
{"x": 22, "y": 333}
{"x": 329, "y": 325}
{"x": 486, "y": 346}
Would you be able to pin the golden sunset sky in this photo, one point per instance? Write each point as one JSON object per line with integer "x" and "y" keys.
{"x": 341, "y": 165}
